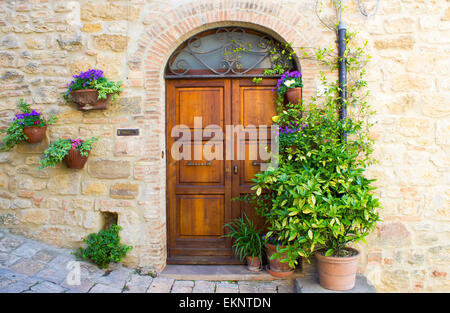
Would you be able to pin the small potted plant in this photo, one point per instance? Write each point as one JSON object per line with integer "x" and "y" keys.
{"x": 247, "y": 241}
{"x": 74, "y": 152}
{"x": 279, "y": 255}
{"x": 91, "y": 90}
{"x": 290, "y": 84}
{"x": 27, "y": 126}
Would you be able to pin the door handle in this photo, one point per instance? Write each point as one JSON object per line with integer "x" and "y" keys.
{"x": 189, "y": 163}
{"x": 235, "y": 169}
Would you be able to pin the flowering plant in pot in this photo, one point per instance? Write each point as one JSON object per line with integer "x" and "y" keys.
{"x": 74, "y": 152}
{"x": 91, "y": 90}
{"x": 290, "y": 84}
{"x": 247, "y": 241}
{"x": 27, "y": 126}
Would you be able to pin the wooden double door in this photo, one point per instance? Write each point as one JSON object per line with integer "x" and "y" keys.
{"x": 200, "y": 190}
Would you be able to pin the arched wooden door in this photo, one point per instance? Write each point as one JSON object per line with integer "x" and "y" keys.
{"x": 210, "y": 77}
{"x": 200, "y": 192}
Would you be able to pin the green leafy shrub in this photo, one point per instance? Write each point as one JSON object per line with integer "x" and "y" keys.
{"x": 247, "y": 239}
{"x": 318, "y": 198}
{"x": 104, "y": 247}
{"x": 57, "y": 150}
{"x": 94, "y": 79}
{"x": 28, "y": 118}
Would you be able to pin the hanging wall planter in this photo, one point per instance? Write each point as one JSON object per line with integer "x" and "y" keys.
{"x": 28, "y": 126}
{"x": 87, "y": 99}
{"x": 74, "y": 152}
{"x": 294, "y": 95}
{"x": 290, "y": 84}
{"x": 75, "y": 160}
{"x": 90, "y": 90}
{"x": 34, "y": 134}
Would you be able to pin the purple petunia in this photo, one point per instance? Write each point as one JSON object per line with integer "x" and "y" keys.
{"x": 288, "y": 75}
{"x": 90, "y": 74}
{"x": 290, "y": 129}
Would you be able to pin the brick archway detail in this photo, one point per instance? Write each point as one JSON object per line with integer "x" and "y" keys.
{"x": 165, "y": 31}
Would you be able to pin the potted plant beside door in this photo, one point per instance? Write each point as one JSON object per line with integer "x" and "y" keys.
{"x": 279, "y": 255}
{"x": 247, "y": 242}
{"x": 321, "y": 201}
{"x": 282, "y": 256}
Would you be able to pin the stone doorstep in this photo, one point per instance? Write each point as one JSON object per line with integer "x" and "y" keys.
{"x": 218, "y": 272}
{"x": 310, "y": 284}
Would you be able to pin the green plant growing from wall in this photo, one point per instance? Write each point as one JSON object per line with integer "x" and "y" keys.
{"x": 104, "y": 247}
{"x": 281, "y": 56}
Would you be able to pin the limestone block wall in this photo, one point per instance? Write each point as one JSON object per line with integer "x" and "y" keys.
{"x": 44, "y": 42}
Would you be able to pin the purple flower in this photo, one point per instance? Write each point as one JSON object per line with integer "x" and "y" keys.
{"x": 90, "y": 74}
{"x": 288, "y": 75}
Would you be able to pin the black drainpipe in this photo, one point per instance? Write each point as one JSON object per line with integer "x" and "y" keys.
{"x": 342, "y": 73}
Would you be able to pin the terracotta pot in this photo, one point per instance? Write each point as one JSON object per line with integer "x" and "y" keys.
{"x": 74, "y": 159}
{"x": 254, "y": 263}
{"x": 294, "y": 95}
{"x": 279, "y": 274}
{"x": 87, "y": 99}
{"x": 275, "y": 265}
{"x": 34, "y": 133}
{"x": 337, "y": 273}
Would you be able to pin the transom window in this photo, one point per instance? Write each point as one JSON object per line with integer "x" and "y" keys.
{"x": 227, "y": 52}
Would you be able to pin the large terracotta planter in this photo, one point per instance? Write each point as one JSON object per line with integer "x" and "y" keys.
{"x": 74, "y": 159}
{"x": 276, "y": 268}
{"x": 337, "y": 273}
{"x": 87, "y": 99}
{"x": 35, "y": 133}
{"x": 253, "y": 263}
{"x": 294, "y": 95}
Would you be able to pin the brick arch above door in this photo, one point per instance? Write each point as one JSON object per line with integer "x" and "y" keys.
{"x": 162, "y": 36}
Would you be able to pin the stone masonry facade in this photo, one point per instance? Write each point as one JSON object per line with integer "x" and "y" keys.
{"x": 44, "y": 42}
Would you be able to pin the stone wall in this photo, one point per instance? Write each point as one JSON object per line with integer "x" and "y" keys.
{"x": 44, "y": 42}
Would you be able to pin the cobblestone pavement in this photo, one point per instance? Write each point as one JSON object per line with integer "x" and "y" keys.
{"x": 30, "y": 266}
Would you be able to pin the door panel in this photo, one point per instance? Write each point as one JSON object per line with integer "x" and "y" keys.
{"x": 206, "y": 102}
{"x": 200, "y": 216}
{"x": 256, "y": 103}
{"x": 202, "y": 171}
{"x": 199, "y": 191}
{"x": 252, "y": 105}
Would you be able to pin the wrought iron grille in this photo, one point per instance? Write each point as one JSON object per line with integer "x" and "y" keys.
{"x": 227, "y": 52}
